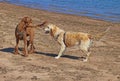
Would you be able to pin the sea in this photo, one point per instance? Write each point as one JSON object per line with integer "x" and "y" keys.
{"x": 108, "y": 10}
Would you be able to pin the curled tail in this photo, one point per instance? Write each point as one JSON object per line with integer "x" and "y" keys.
{"x": 99, "y": 36}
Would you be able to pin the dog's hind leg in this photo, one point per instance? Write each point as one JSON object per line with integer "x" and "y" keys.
{"x": 87, "y": 55}
{"x": 25, "y": 45}
{"x": 85, "y": 47}
{"x": 32, "y": 47}
{"x": 61, "y": 50}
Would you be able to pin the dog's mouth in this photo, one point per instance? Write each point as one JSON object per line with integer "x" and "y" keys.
{"x": 46, "y": 32}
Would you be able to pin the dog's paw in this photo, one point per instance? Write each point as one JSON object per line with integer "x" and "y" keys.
{"x": 57, "y": 57}
{"x": 25, "y": 55}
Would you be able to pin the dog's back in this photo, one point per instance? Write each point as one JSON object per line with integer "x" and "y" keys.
{"x": 75, "y": 38}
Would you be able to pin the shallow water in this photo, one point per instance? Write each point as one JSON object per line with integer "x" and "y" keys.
{"x": 99, "y": 9}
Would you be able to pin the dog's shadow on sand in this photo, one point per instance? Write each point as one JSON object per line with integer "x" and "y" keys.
{"x": 11, "y": 50}
{"x": 64, "y": 56}
{"x": 8, "y": 50}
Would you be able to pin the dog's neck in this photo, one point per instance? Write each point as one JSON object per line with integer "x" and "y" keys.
{"x": 58, "y": 33}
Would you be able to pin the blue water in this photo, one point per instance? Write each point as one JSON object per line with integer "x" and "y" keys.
{"x": 99, "y": 9}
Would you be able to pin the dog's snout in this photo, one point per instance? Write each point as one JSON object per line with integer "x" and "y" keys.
{"x": 46, "y": 32}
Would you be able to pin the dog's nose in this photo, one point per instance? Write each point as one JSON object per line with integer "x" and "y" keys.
{"x": 46, "y": 32}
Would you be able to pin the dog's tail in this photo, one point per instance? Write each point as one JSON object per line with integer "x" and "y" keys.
{"x": 35, "y": 26}
{"x": 100, "y": 36}
{"x": 42, "y": 24}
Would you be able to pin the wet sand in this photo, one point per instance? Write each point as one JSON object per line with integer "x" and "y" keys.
{"x": 103, "y": 64}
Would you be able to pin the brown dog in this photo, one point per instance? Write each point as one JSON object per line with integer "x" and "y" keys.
{"x": 23, "y": 30}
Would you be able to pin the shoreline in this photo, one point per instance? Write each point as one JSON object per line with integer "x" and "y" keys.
{"x": 46, "y": 11}
{"x": 94, "y": 15}
{"x": 65, "y": 21}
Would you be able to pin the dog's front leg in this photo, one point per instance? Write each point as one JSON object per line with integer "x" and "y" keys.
{"x": 16, "y": 47}
{"x": 61, "y": 50}
{"x": 25, "y": 45}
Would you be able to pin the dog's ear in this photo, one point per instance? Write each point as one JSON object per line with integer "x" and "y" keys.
{"x": 42, "y": 24}
{"x": 53, "y": 31}
{"x": 29, "y": 20}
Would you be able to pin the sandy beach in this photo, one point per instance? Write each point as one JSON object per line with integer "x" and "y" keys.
{"x": 103, "y": 64}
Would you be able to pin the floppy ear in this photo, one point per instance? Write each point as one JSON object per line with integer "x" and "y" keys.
{"x": 29, "y": 20}
{"x": 53, "y": 31}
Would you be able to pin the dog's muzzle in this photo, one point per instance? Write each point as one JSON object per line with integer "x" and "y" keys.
{"x": 47, "y": 32}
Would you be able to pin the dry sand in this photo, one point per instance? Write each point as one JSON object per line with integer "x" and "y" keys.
{"x": 103, "y": 64}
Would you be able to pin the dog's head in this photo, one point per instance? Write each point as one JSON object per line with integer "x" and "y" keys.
{"x": 50, "y": 28}
{"x": 27, "y": 20}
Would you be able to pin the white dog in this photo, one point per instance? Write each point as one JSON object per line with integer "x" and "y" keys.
{"x": 68, "y": 39}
